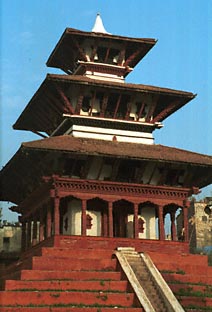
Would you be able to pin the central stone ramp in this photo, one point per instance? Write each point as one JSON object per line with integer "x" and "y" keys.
{"x": 150, "y": 287}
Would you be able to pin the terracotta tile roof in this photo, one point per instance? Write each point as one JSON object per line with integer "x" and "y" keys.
{"x": 46, "y": 101}
{"x": 124, "y": 86}
{"x": 30, "y": 162}
{"x": 71, "y": 144}
{"x": 62, "y": 55}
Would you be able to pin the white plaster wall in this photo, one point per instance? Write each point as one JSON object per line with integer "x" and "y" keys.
{"x": 96, "y": 223}
{"x": 148, "y": 216}
{"x": 74, "y": 220}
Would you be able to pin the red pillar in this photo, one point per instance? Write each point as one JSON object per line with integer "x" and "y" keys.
{"x": 161, "y": 223}
{"x": 110, "y": 221}
{"x": 83, "y": 218}
{"x": 56, "y": 216}
{"x": 173, "y": 226}
{"x": 135, "y": 220}
{"x": 23, "y": 236}
{"x": 49, "y": 221}
{"x": 185, "y": 222}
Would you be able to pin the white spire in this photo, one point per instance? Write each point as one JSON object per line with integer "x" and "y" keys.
{"x": 98, "y": 25}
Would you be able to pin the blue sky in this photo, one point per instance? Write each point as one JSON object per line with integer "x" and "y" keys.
{"x": 181, "y": 59}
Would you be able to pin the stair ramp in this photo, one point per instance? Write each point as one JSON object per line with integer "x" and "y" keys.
{"x": 148, "y": 284}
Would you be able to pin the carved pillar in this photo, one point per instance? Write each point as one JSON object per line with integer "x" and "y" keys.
{"x": 110, "y": 219}
{"x": 23, "y": 236}
{"x": 185, "y": 222}
{"x": 135, "y": 220}
{"x": 161, "y": 223}
{"x": 83, "y": 218}
{"x": 56, "y": 216}
{"x": 173, "y": 226}
{"x": 49, "y": 221}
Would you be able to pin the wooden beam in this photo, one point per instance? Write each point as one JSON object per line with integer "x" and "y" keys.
{"x": 141, "y": 110}
{"x": 117, "y": 105}
{"x": 69, "y": 108}
{"x": 40, "y": 134}
{"x": 92, "y": 103}
{"x": 81, "y": 52}
{"x": 166, "y": 111}
{"x": 151, "y": 110}
{"x": 132, "y": 57}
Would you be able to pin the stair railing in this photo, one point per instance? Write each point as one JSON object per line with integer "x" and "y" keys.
{"x": 169, "y": 299}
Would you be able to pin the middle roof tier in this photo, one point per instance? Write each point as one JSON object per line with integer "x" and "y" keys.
{"x": 128, "y": 106}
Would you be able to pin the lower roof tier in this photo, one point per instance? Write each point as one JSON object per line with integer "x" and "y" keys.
{"x": 82, "y": 96}
{"x": 88, "y": 159}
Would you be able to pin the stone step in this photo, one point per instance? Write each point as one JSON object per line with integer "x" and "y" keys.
{"x": 47, "y": 263}
{"x": 187, "y": 278}
{"x": 31, "y": 298}
{"x": 191, "y": 287}
{"x": 69, "y": 309}
{"x": 101, "y": 285}
{"x": 181, "y": 268}
{"x": 69, "y": 275}
{"x": 174, "y": 258}
{"x": 79, "y": 253}
{"x": 188, "y": 301}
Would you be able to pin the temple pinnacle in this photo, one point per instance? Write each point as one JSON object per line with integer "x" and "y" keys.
{"x": 98, "y": 25}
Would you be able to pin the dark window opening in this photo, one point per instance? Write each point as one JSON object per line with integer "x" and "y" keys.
{"x": 101, "y": 54}
{"x": 123, "y": 107}
{"x": 111, "y": 106}
{"x": 86, "y": 104}
{"x": 74, "y": 167}
{"x": 113, "y": 56}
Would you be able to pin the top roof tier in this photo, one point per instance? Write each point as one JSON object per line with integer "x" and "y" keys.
{"x": 98, "y": 53}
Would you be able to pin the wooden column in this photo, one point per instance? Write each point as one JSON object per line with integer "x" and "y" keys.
{"x": 23, "y": 236}
{"x": 135, "y": 220}
{"x": 110, "y": 219}
{"x": 173, "y": 226}
{"x": 161, "y": 223}
{"x": 185, "y": 222}
{"x": 49, "y": 221}
{"x": 56, "y": 216}
{"x": 83, "y": 218}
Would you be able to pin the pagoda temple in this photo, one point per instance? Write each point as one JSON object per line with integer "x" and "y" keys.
{"x": 96, "y": 175}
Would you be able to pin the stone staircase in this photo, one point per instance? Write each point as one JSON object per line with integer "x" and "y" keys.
{"x": 189, "y": 277}
{"x": 75, "y": 274}
{"x": 63, "y": 279}
{"x": 141, "y": 273}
